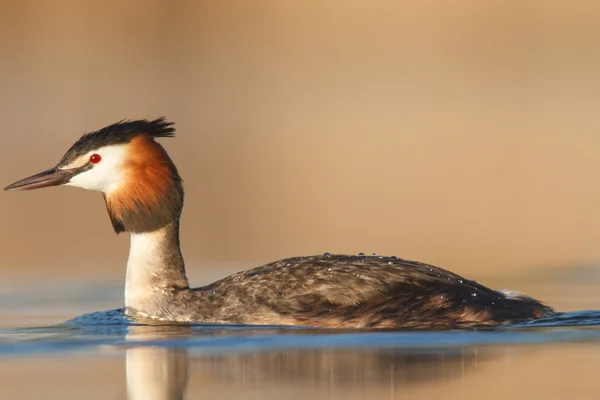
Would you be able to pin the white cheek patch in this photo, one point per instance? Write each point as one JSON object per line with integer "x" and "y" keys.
{"x": 105, "y": 176}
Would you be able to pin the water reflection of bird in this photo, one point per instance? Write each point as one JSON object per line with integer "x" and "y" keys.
{"x": 348, "y": 369}
{"x": 144, "y": 196}
{"x": 160, "y": 364}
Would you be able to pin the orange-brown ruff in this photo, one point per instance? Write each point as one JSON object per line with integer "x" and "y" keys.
{"x": 150, "y": 198}
{"x": 144, "y": 196}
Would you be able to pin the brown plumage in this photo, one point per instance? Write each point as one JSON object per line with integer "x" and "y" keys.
{"x": 144, "y": 196}
{"x": 342, "y": 291}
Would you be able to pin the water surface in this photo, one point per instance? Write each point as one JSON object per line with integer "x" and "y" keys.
{"x": 50, "y": 348}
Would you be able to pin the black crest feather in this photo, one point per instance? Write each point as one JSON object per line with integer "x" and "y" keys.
{"x": 121, "y": 132}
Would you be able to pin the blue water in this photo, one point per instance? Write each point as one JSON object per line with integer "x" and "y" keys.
{"x": 111, "y": 328}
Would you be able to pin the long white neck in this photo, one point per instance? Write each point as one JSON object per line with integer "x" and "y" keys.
{"x": 155, "y": 268}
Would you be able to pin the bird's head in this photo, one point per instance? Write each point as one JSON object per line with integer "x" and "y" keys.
{"x": 140, "y": 183}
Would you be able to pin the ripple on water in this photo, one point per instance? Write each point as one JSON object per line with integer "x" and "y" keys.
{"x": 110, "y": 317}
{"x": 113, "y": 330}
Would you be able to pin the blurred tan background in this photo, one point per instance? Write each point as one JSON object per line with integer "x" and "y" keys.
{"x": 463, "y": 134}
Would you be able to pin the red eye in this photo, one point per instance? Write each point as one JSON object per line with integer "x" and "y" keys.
{"x": 95, "y": 158}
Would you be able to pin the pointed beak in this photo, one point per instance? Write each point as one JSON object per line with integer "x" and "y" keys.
{"x": 51, "y": 177}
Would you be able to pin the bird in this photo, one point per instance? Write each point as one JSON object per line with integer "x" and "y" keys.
{"x": 144, "y": 194}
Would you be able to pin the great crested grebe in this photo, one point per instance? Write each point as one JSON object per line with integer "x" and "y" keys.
{"x": 144, "y": 196}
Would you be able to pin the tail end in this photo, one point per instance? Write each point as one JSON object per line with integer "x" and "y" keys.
{"x": 535, "y": 308}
